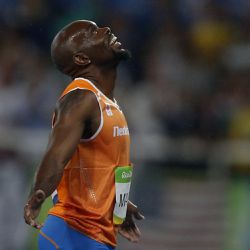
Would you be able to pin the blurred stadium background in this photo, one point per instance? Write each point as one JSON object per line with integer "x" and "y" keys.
{"x": 186, "y": 95}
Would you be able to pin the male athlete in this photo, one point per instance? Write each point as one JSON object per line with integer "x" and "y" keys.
{"x": 86, "y": 167}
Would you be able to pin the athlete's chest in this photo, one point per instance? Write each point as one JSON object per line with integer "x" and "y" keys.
{"x": 114, "y": 124}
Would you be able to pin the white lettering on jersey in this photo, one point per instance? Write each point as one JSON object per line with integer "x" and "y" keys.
{"x": 117, "y": 131}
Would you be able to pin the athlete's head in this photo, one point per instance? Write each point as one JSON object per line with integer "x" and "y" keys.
{"x": 82, "y": 43}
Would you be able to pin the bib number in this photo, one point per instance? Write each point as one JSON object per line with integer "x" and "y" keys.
{"x": 122, "y": 186}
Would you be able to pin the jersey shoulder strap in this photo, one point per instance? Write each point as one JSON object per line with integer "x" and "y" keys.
{"x": 79, "y": 83}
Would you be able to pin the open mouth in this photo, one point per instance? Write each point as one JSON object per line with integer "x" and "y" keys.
{"x": 113, "y": 39}
{"x": 114, "y": 43}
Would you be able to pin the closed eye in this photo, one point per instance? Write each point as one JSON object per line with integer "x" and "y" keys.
{"x": 93, "y": 29}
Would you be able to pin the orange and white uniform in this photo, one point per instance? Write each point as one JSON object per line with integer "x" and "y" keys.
{"x": 86, "y": 193}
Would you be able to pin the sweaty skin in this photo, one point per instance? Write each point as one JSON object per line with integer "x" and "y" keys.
{"x": 81, "y": 49}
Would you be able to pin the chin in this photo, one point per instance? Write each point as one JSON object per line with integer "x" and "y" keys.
{"x": 122, "y": 54}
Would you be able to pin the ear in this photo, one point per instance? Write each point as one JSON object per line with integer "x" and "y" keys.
{"x": 81, "y": 59}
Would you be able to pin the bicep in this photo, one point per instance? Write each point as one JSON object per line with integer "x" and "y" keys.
{"x": 72, "y": 112}
{"x": 64, "y": 139}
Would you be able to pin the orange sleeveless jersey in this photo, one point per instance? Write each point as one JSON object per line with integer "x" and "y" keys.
{"x": 86, "y": 193}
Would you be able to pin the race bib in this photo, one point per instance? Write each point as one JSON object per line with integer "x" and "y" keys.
{"x": 122, "y": 186}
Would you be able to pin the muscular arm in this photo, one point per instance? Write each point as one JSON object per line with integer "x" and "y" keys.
{"x": 71, "y": 114}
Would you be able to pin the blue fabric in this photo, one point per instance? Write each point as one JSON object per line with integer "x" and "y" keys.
{"x": 55, "y": 199}
{"x": 65, "y": 238}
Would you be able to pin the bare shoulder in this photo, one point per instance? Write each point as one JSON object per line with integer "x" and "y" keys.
{"x": 77, "y": 103}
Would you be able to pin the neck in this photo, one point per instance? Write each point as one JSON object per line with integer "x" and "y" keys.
{"x": 103, "y": 78}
